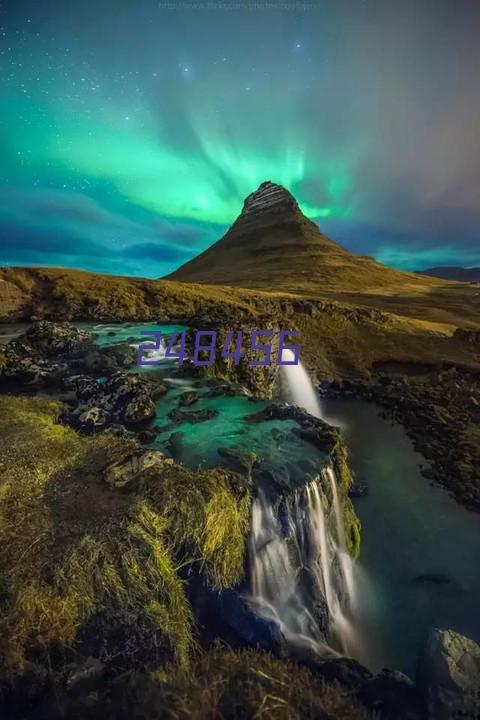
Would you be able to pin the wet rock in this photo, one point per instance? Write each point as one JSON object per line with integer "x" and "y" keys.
{"x": 358, "y": 489}
{"x": 189, "y": 397}
{"x": 126, "y": 471}
{"x": 174, "y": 443}
{"x": 432, "y": 579}
{"x": 307, "y": 587}
{"x": 347, "y": 672}
{"x": 92, "y": 419}
{"x": 83, "y": 386}
{"x": 392, "y": 695}
{"x": 449, "y": 676}
{"x": 124, "y": 354}
{"x": 31, "y": 371}
{"x": 237, "y": 460}
{"x": 58, "y": 338}
{"x": 191, "y": 416}
{"x": 147, "y": 436}
{"x": 98, "y": 362}
{"x": 138, "y": 410}
{"x": 157, "y": 389}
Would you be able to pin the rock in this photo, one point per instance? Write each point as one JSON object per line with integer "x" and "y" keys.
{"x": 432, "y": 578}
{"x": 191, "y": 416}
{"x": 147, "y": 436}
{"x": 349, "y": 673}
{"x": 100, "y": 362}
{"x": 83, "y": 386}
{"x": 449, "y": 676}
{"x": 359, "y": 488}
{"x": 92, "y": 419}
{"x": 124, "y": 472}
{"x": 124, "y": 354}
{"x": 139, "y": 409}
{"x": 157, "y": 389}
{"x": 237, "y": 460}
{"x": 175, "y": 443}
{"x": 469, "y": 336}
{"x": 392, "y": 695}
{"x": 53, "y": 338}
{"x": 22, "y": 365}
{"x": 188, "y": 398}
{"x": 121, "y": 384}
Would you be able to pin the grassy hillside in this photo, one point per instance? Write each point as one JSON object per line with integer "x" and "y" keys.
{"x": 339, "y": 339}
{"x": 273, "y": 247}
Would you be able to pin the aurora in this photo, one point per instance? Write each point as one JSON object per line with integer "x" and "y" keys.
{"x": 128, "y": 145}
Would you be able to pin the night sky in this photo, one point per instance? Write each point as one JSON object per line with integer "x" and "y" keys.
{"x": 131, "y": 130}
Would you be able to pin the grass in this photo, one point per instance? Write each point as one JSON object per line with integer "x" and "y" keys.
{"x": 81, "y": 562}
{"x": 222, "y": 684}
{"x": 72, "y": 549}
{"x": 345, "y": 336}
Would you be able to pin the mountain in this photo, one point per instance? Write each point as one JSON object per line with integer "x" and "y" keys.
{"x": 272, "y": 245}
{"x": 452, "y": 272}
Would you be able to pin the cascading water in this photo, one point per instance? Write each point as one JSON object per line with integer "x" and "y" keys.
{"x": 302, "y": 576}
{"x": 299, "y": 387}
{"x": 152, "y": 355}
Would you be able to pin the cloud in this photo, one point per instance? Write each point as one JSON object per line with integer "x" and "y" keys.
{"x": 159, "y": 252}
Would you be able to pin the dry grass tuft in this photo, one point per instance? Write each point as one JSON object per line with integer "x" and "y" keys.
{"x": 72, "y": 549}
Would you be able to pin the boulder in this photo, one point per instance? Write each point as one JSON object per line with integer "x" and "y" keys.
{"x": 126, "y": 471}
{"x": 58, "y": 338}
{"x": 449, "y": 676}
{"x": 92, "y": 419}
{"x": 188, "y": 398}
{"x": 147, "y": 436}
{"x": 191, "y": 416}
{"x": 83, "y": 386}
{"x": 392, "y": 695}
{"x": 100, "y": 362}
{"x": 21, "y": 364}
{"x": 140, "y": 409}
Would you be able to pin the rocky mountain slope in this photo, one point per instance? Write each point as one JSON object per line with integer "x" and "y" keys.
{"x": 272, "y": 246}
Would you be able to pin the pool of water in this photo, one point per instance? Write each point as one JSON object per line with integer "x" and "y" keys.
{"x": 276, "y": 446}
{"x": 420, "y": 549}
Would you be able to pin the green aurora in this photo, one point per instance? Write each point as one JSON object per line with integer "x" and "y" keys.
{"x": 130, "y": 137}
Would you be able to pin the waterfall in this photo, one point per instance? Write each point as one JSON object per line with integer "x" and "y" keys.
{"x": 299, "y": 387}
{"x": 301, "y": 575}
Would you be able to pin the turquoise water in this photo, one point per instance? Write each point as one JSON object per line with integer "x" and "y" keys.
{"x": 196, "y": 445}
{"x": 420, "y": 549}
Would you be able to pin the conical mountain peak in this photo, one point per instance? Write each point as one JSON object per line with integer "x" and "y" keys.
{"x": 269, "y": 197}
{"x": 273, "y": 245}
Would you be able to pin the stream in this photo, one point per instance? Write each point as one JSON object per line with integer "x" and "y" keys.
{"x": 420, "y": 557}
{"x": 420, "y": 548}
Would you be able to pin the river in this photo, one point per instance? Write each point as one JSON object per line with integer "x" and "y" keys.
{"x": 420, "y": 548}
